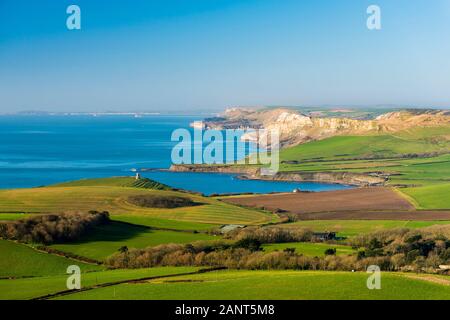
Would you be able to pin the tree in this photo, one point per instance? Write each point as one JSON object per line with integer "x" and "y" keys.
{"x": 330, "y": 252}
{"x": 123, "y": 249}
{"x": 248, "y": 243}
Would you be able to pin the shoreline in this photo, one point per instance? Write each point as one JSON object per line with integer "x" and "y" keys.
{"x": 252, "y": 173}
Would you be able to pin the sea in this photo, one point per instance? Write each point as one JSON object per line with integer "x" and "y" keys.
{"x": 40, "y": 150}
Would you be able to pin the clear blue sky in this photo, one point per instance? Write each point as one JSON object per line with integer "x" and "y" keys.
{"x": 210, "y": 54}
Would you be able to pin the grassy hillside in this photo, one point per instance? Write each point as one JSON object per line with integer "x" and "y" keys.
{"x": 114, "y": 199}
{"x": 18, "y": 260}
{"x": 107, "y": 239}
{"x": 13, "y": 216}
{"x": 430, "y": 197}
{"x": 128, "y": 182}
{"x": 421, "y": 140}
{"x": 415, "y": 157}
{"x": 149, "y": 221}
{"x": 35, "y": 287}
{"x": 349, "y": 228}
{"x": 248, "y": 285}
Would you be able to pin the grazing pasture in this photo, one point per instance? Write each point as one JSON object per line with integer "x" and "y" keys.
{"x": 349, "y": 228}
{"x": 115, "y": 200}
{"x": 18, "y": 260}
{"x": 149, "y": 221}
{"x": 266, "y": 285}
{"x": 13, "y": 216}
{"x": 128, "y": 182}
{"x": 430, "y": 197}
{"x": 414, "y": 157}
{"x": 29, "y": 288}
{"x": 104, "y": 240}
{"x": 419, "y": 140}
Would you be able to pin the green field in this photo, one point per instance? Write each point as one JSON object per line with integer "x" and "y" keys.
{"x": 265, "y": 285}
{"x": 13, "y": 216}
{"x": 416, "y": 171}
{"x": 428, "y": 187}
{"x": 384, "y": 153}
{"x": 107, "y": 239}
{"x": 149, "y": 221}
{"x": 309, "y": 248}
{"x": 18, "y": 260}
{"x": 114, "y": 198}
{"x": 419, "y": 140}
{"x": 349, "y": 228}
{"x": 430, "y": 197}
{"x": 35, "y": 287}
{"x": 128, "y": 182}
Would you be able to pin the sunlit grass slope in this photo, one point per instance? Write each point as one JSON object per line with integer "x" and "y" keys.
{"x": 36, "y": 287}
{"x": 129, "y": 182}
{"x": 267, "y": 285}
{"x": 107, "y": 196}
{"x": 430, "y": 197}
{"x": 104, "y": 240}
{"x": 18, "y": 260}
{"x": 349, "y": 228}
{"x": 420, "y": 140}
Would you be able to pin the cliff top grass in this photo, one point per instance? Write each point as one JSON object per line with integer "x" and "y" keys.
{"x": 129, "y": 182}
{"x": 79, "y": 197}
{"x": 413, "y": 141}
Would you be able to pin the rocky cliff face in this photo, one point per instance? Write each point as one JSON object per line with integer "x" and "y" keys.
{"x": 296, "y": 128}
{"x": 348, "y": 178}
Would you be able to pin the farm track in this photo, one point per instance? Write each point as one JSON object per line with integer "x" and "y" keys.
{"x": 430, "y": 278}
{"x": 109, "y": 284}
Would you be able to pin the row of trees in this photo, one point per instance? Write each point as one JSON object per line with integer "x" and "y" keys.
{"x": 426, "y": 248}
{"x": 395, "y": 250}
{"x": 272, "y": 234}
{"x": 160, "y": 201}
{"x": 52, "y": 228}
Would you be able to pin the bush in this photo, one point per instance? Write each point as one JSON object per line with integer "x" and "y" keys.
{"x": 52, "y": 228}
{"x": 154, "y": 201}
{"x": 248, "y": 243}
{"x": 394, "y": 250}
{"x": 271, "y": 234}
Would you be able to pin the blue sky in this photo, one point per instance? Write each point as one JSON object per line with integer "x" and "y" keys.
{"x": 209, "y": 54}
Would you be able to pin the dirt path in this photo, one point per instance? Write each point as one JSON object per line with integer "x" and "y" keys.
{"x": 429, "y": 278}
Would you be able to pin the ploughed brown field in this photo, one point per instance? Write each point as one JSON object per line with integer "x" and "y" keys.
{"x": 376, "y": 203}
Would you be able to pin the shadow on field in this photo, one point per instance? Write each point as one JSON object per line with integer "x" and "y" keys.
{"x": 113, "y": 231}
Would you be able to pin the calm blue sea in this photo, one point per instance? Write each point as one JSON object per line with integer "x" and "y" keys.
{"x": 42, "y": 150}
